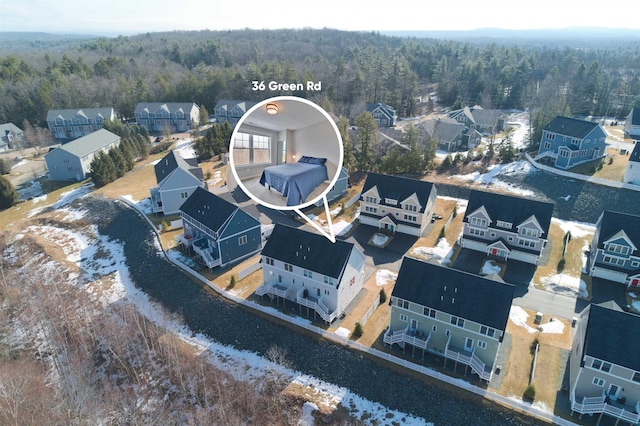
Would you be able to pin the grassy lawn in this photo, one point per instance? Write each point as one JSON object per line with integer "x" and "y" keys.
{"x": 613, "y": 166}
{"x": 548, "y": 363}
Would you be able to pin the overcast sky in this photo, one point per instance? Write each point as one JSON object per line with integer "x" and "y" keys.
{"x": 139, "y": 16}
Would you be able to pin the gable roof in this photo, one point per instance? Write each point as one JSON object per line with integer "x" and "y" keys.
{"x": 308, "y": 250}
{"x": 570, "y": 127}
{"x": 89, "y": 143}
{"x": 210, "y": 210}
{"x": 89, "y": 113}
{"x": 614, "y": 222}
{"x": 399, "y": 188}
{"x": 486, "y": 117}
{"x": 173, "y": 160}
{"x": 458, "y": 293}
{"x": 612, "y": 335}
{"x": 9, "y": 127}
{"x": 443, "y": 128}
{"x": 635, "y": 154}
{"x": 510, "y": 209}
{"x": 228, "y": 104}
{"x": 170, "y": 107}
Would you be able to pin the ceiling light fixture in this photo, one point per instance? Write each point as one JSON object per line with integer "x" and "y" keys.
{"x": 272, "y": 109}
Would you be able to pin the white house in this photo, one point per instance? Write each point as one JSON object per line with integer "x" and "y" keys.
{"x": 397, "y": 204}
{"x": 310, "y": 270}
{"x": 632, "y": 125}
{"x": 632, "y": 175}
{"x": 177, "y": 178}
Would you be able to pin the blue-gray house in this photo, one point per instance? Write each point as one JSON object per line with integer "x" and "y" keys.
{"x": 569, "y": 142}
{"x": 614, "y": 251}
{"x": 218, "y": 231}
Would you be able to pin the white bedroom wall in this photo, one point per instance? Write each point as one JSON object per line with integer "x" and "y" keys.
{"x": 255, "y": 170}
{"x": 318, "y": 140}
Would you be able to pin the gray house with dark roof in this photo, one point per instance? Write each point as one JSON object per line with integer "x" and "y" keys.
{"x": 632, "y": 124}
{"x": 310, "y": 270}
{"x": 454, "y": 314}
{"x": 218, "y": 231}
{"x": 632, "y": 174}
{"x": 450, "y": 134}
{"x": 177, "y": 178}
{"x": 604, "y": 364}
{"x": 397, "y": 204}
{"x": 568, "y": 142}
{"x": 231, "y": 110}
{"x": 383, "y": 114}
{"x": 506, "y": 227}
{"x": 68, "y": 124}
{"x": 11, "y": 136}
{"x": 72, "y": 161}
{"x": 614, "y": 253}
{"x": 176, "y": 116}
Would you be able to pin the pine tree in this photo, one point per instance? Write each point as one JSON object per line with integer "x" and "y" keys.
{"x": 126, "y": 153}
{"x": 4, "y": 167}
{"x": 367, "y": 138}
{"x": 8, "y": 194}
{"x": 349, "y": 158}
{"x": 103, "y": 171}
{"x": 119, "y": 162}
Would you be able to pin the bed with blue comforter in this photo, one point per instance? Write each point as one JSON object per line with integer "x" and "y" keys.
{"x": 295, "y": 181}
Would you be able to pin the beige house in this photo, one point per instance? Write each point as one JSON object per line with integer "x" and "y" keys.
{"x": 397, "y": 204}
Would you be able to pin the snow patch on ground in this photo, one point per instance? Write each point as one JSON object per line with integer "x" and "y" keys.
{"x": 385, "y": 276}
{"x": 68, "y": 197}
{"x": 343, "y": 332}
{"x": 577, "y": 229}
{"x": 20, "y": 163}
{"x": 307, "y": 414}
{"x": 554, "y": 327}
{"x": 490, "y": 267}
{"x": 379, "y": 239}
{"x": 143, "y": 205}
{"x": 185, "y": 149}
{"x": 566, "y": 284}
{"x": 491, "y": 177}
{"x": 519, "y": 317}
{"x": 36, "y": 200}
{"x": 441, "y": 252}
{"x": 341, "y": 227}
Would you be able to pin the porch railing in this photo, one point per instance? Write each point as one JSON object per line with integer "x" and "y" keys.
{"x": 316, "y": 305}
{"x": 594, "y": 405}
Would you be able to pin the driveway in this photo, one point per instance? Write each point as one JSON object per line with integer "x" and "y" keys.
{"x": 391, "y": 256}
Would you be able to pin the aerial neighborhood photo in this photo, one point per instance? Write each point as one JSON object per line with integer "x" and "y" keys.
{"x": 270, "y": 215}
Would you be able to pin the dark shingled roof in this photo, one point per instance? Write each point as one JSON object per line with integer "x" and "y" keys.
{"x": 510, "y": 209}
{"x": 399, "y": 188}
{"x": 308, "y": 250}
{"x": 455, "y": 292}
{"x": 208, "y": 209}
{"x": 570, "y": 127}
{"x": 612, "y": 336}
{"x": 635, "y": 154}
{"x": 171, "y": 161}
{"x": 635, "y": 115}
{"x": 614, "y": 222}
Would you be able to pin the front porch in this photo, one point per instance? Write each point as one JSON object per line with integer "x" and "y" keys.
{"x": 156, "y": 200}
{"x": 603, "y": 405}
{"x": 276, "y": 290}
{"x": 209, "y": 255}
{"x": 415, "y": 338}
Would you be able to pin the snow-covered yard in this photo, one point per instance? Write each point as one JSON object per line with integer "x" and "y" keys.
{"x": 441, "y": 252}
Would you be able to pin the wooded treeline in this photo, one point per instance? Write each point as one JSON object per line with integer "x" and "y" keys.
{"x": 354, "y": 67}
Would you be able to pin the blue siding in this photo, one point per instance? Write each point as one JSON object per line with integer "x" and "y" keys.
{"x": 231, "y": 250}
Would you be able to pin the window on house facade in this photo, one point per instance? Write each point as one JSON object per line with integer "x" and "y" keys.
{"x": 242, "y": 240}
{"x": 184, "y": 195}
{"x": 478, "y": 221}
{"x": 487, "y": 331}
{"x": 635, "y": 263}
{"x": 307, "y": 273}
{"x": 403, "y": 318}
{"x": 526, "y": 243}
{"x": 618, "y": 248}
{"x": 575, "y": 141}
{"x": 601, "y": 365}
{"x": 551, "y": 136}
{"x": 503, "y": 224}
{"x": 288, "y": 267}
{"x": 482, "y": 344}
{"x": 478, "y": 232}
{"x": 598, "y": 381}
{"x": 547, "y": 145}
{"x": 428, "y": 312}
{"x": 636, "y": 377}
{"x": 457, "y": 321}
{"x": 391, "y": 201}
{"x": 529, "y": 232}
{"x": 613, "y": 260}
{"x": 410, "y": 207}
{"x": 371, "y": 209}
{"x": 402, "y": 303}
{"x": 410, "y": 218}
{"x": 268, "y": 261}
{"x": 328, "y": 280}
{"x": 371, "y": 200}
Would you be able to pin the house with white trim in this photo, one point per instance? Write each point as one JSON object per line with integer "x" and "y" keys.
{"x": 383, "y": 114}
{"x": 177, "y": 178}
{"x": 68, "y": 124}
{"x": 632, "y": 124}
{"x": 219, "y": 232}
{"x": 457, "y": 315}
{"x": 175, "y": 116}
{"x": 632, "y": 174}
{"x": 614, "y": 254}
{"x": 308, "y": 269}
{"x": 506, "y": 226}
{"x": 397, "y": 204}
{"x": 231, "y": 110}
{"x": 604, "y": 368}
{"x": 11, "y": 137}
{"x": 567, "y": 142}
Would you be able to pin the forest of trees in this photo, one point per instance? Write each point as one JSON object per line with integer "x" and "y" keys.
{"x": 355, "y": 68}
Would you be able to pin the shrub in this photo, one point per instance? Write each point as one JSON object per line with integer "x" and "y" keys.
{"x": 529, "y": 393}
{"x": 383, "y": 296}
{"x": 232, "y": 281}
{"x": 164, "y": 226}
{"x": 161, "y": 147}
{"x": 357, "y": 331}
{"x": 610, "y": 160}
{"x": 561, "y": 264}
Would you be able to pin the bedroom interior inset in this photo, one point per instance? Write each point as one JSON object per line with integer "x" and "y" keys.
{"x": 286, "y": 152}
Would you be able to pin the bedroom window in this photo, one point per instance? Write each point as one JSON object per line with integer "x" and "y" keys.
{"x": 242, "y": 240}
{"x": 251, "y": 149}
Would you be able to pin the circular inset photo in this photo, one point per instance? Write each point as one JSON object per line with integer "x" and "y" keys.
{"x": 286, "y": 153}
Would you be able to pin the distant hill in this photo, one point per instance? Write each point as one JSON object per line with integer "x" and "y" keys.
{"x": 15, "y": 41}
{"x": 568, "y": 36}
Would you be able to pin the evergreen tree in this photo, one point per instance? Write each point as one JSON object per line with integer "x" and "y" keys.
{"x": 4, "y": 167}
{"x": 119, "y": 162}
{"x": 349, "y": 159}
{"x": 126, "y": 153}
{"x": 8, "y": 194}
{"x": 103, "y": 171}
{"x": 367, "y": 139}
